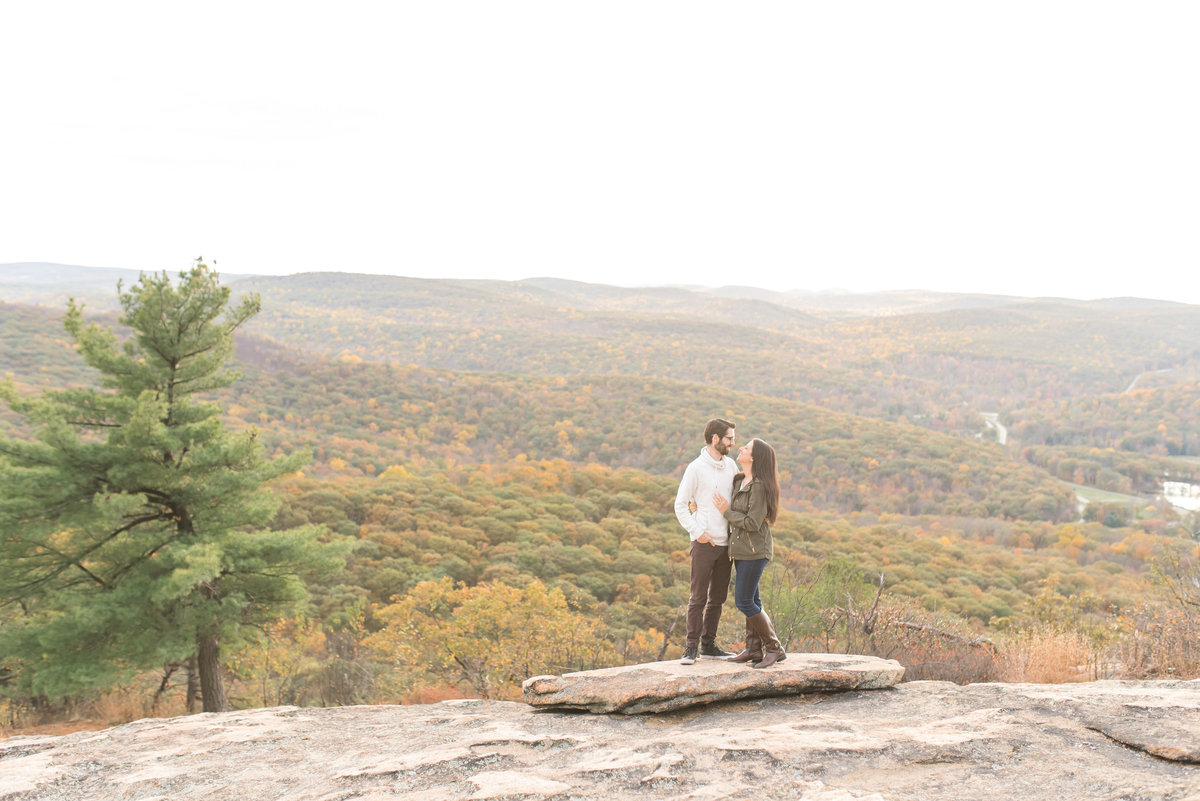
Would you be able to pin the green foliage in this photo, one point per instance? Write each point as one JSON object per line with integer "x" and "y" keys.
{"x": 131, "y": 526}
{"x": 799, "y": 597}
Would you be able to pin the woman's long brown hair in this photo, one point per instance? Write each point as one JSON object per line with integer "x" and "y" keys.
{"x": 764, "y": 471}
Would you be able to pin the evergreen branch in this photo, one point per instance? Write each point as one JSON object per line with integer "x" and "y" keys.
{"x": 134, "y": 523}
{"x": 159, "y": 353}
{"x": 84, "y": 497}
{"x": 67, "y": 563}
{"x": 196, "y": 352}
{"x": 23, "y": 456}
{"x": 144, "y": 557}
{"x": 158, "y": 495}
{"x": 195, "y": 378}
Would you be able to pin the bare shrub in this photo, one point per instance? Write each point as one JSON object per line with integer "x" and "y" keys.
{"x": 837, "y": 609}
{"x": 15, "y": 715}
{"x": 930, "y": 645}
{"x": 1160, "y": 642}
{"x": 133, "y": 700}
{"x": 799, "y": 601}
{"x": 125, "y": 704}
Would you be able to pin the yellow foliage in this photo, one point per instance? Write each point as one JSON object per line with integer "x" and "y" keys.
{"x": 644, "y": 646}
{"x": 492, "y": 635}
{"x": 285, "y": 650}
{"x": 395, "y": 471}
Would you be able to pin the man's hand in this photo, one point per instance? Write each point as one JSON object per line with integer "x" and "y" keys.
{"x": 707, "y": 540}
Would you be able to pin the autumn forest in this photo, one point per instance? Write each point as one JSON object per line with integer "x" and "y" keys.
{"x": 973, "y": 485}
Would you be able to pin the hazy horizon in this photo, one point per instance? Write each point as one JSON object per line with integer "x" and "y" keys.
{"x": 828, "y": 291}
{"x": 1034, "y": 149}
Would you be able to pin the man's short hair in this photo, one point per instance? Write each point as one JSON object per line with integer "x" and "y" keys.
{"x": 716, "y": 428}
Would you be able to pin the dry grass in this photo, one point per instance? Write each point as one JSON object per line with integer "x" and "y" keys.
{"x": 1045, "y": 655}
{"x": 431, "y": 695}
{"x": 53, "y": 729}
{"x": 112, "y": 708}
{"x": 119, "y": 705}
{"x": 1149, "y": 643}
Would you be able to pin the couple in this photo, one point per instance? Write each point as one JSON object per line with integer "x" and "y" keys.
{"x": 728, "y": 515}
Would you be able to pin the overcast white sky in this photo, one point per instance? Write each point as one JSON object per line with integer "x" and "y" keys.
{"x": 1030, "y": 148}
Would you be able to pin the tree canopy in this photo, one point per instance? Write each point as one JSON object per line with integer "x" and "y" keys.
{"x": 132, "y": 527}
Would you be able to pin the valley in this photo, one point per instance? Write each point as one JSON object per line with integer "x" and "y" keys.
{"x": 487, "y": 434}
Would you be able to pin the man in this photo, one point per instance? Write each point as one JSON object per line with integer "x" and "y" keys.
{"x": 711, "y": 473}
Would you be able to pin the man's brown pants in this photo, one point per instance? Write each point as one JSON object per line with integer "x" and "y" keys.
{"x": 711, "y": 568}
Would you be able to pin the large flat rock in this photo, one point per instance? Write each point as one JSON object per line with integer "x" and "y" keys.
{"x": 919, "y": 741}
{"x": 666, "y": 686}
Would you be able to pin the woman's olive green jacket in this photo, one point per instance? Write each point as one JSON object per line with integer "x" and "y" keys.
{"x": 749, "y": 531}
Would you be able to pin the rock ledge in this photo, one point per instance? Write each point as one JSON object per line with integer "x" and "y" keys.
{"x": 666, "y": 686}
{"x": 919, "y": 741}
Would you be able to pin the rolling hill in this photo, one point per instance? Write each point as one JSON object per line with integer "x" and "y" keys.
{"x": 534, "y": 431}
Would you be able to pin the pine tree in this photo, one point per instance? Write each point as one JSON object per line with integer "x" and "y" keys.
{"x": 132, "y": 527}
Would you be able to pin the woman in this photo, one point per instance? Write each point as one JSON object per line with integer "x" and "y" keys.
{"x": 750, "y": 514}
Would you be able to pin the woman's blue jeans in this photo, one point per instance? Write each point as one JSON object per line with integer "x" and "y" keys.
{"x": 745, "y": 586}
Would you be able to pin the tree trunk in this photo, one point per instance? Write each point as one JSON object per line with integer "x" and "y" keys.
{"x": 168, "y": 671}
{"x": 212, "y": 687}
{"x": 193, "y": 684}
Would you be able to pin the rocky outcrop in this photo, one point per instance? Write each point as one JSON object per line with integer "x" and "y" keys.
{"x": 926, "y": 741}
{"x": 667, "y": 686}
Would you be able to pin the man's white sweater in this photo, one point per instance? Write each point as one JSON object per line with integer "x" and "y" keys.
{"x": 702, "y": 478}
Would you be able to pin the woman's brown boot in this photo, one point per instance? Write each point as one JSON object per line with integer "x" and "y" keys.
{"x": 753, "y": 650}
{"x": 771, "y": 648}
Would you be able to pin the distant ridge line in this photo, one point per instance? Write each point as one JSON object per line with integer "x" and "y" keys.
{"x": 826, "y": 303}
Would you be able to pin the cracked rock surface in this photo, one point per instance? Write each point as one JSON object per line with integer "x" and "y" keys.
{"x": 921, "y": 740}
